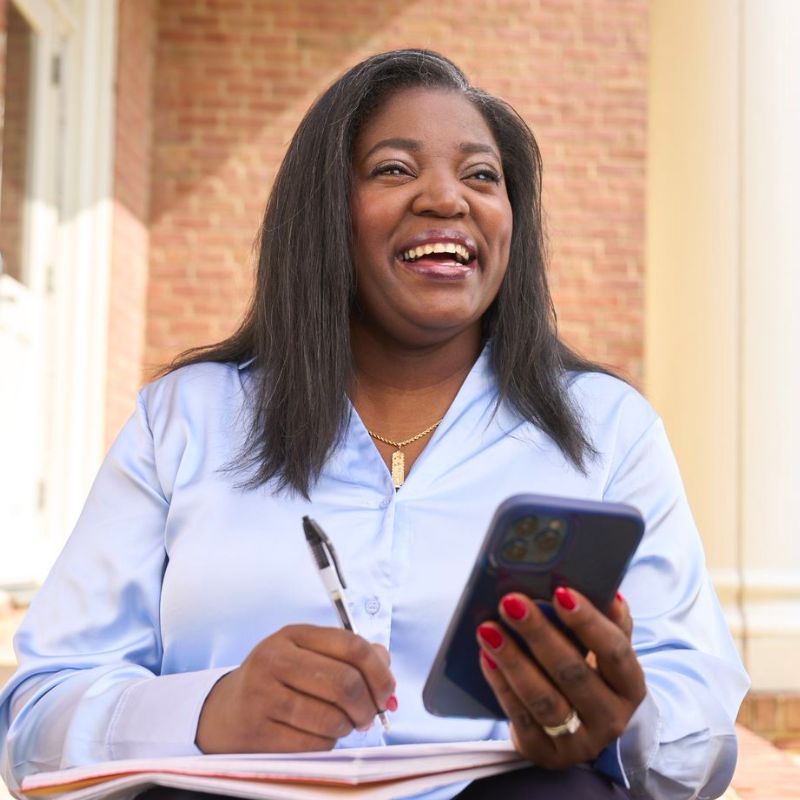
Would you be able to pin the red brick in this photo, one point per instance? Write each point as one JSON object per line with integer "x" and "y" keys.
{"x": 131, "y": 217}
{"x": 232, "y": 80}
{"x": 16, "y": 38}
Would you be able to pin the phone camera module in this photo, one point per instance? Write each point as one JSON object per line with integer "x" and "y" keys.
{"x": 533, "y": 540}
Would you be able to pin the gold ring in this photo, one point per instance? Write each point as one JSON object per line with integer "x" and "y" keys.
{"x": 569, "y": 725}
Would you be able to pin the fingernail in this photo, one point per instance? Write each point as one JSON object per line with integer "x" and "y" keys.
{"x": 364, "y": 728}
{"x": 391, "y": 703}
{"x": 490, "y": 635}
{"x": 488, "y": 660}
{"x": 620, "y": 598}
{"x": 565, "y": 598}
{"x": 514, "y": 607}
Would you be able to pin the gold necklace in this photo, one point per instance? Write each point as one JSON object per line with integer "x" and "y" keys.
{"x": 398, "y": 457}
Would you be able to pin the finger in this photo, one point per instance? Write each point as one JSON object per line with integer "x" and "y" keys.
{"x": 353, "y": 650}
{"x": 382, "y": 653}
{"x": 616, "y": 659}
{"x": 526, "y": 733}
{"x": 564, "y": 665}
{"x": 620, "y": 614}
{"x": 277, "y": 737}
{"x": 334, "y": 665}
{"x": 328, "y": 679}
{"x": 535, "y": 691}
{"x": 307, "y": 714}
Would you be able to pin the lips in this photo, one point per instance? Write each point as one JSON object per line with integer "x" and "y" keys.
{"x": 443, "y": 254}
{"x": 443, "y": 249}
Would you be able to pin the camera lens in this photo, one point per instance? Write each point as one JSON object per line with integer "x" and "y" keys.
{"x": 546, "y": 541}
{"x": 526, "y": 526}
{"x": 515, "y": 550}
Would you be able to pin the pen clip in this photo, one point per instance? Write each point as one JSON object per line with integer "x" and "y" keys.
{"x": 327, "y": 546}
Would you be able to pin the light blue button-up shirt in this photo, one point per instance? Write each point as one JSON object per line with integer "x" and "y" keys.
{"x": 173, "y": 575}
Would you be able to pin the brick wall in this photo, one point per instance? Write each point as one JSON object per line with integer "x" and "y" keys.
{"x": 775, "y": 715}
{"x": 234, "y": 77}
{"x": 130, "y": 223}
{"x": 16, "y": 78}
{"x": 3, "y": 37}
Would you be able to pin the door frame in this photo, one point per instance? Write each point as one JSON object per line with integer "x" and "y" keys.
{"x": 78, "y": 277}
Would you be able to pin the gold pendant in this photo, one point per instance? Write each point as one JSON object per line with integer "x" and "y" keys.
{"x": 398, "y": 468}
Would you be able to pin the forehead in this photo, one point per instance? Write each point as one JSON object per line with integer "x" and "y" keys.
{"x": 433, "y": 117}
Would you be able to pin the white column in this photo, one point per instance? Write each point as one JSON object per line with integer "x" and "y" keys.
{"x": 692, "y": 262}
{"x": 723, "y": 298}
{"x": 82, "y": 268}
{"x": 770, "y": 386}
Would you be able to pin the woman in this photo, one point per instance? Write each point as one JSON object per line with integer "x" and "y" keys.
{"x": 401, "y": 305}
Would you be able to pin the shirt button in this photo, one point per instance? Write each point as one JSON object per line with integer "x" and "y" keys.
{"x": 385, "y": 502}
{"x": 372, "y": 605}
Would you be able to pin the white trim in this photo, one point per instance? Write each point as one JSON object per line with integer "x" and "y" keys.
{"x": 35, "y": 11}
{"x": 65, "y": 15}
{"x": 78, "y": 396}
{"x": 22, "y": 516}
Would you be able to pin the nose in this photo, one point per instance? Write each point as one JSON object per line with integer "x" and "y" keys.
{"x": 440, "y": 196}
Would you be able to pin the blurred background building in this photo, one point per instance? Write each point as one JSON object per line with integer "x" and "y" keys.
{"x": 140, "y": 139}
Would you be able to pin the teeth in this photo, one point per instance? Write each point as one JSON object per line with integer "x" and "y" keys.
{"x": 437, "y": 247}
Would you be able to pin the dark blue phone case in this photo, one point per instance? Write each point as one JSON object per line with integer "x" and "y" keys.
{"x": 594, "y": 550}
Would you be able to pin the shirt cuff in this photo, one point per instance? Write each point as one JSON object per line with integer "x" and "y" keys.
{"x": 158, "y": 716}
{"x": 627, "y": 758}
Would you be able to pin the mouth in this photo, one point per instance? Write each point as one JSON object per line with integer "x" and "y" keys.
{"x": 446, "y": 255}
{"x": 438, "y": 251}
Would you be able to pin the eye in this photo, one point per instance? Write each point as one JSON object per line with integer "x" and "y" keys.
{"x": 484, "y": 175}
{"x": 391, "y": 170}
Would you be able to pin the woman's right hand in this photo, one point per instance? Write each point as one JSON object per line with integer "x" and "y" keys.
{"x": 300, "y": 689}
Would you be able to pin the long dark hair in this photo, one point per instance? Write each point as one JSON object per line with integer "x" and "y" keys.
{"x": 297, "y": 324}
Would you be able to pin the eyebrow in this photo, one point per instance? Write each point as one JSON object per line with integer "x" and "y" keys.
{"x": 412, "y": 145}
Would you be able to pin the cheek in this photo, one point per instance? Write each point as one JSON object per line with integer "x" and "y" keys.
{"x": 356, "y": 217}
{"x": 505, "y": 229}
{"x": 500, "y": 220}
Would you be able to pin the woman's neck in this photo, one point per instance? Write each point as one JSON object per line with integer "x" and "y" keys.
{"x": 397, "y": 390}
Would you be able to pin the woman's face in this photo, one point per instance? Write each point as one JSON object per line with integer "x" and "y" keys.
{"x": 431, "y": 218}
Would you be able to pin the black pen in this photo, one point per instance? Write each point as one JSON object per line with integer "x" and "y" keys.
{"x": 332, "y": 578}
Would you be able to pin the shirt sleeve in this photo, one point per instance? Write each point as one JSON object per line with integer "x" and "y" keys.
{"x": 88, "y": 687}
{"x": 681, "y": 742}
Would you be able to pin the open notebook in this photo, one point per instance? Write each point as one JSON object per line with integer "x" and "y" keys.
{"x": 366, "y": 773}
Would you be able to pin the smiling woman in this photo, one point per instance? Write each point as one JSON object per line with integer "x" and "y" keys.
{"x": 414, "y": 198}
{"x": 397, "y": 376}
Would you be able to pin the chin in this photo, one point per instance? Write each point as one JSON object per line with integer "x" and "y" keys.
{"x": 438, "y": 328}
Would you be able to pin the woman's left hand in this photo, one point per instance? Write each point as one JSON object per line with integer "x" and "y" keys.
{"x": 603, "y": 689}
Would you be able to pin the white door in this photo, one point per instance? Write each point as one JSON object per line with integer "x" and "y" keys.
{"x": 29, "y": 214}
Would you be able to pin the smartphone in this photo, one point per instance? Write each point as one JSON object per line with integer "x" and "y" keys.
{"x": 534, "y": 544}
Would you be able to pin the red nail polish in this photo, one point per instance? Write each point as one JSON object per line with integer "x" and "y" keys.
{"x": 490, "y": 635}
{"x": 391, "y": 703}
{"x": 488, "y": 660}
{"x": 620, "y": 598}
{"x": 514, "y": 607}
{"x": 565, "y": 598}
